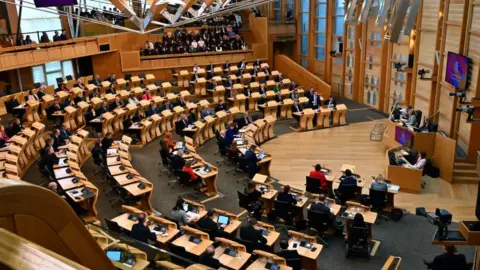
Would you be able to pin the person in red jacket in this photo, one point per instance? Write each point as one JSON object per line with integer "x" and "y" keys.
{"x": 317, "y": 173}
{"x": 188, "y": 168}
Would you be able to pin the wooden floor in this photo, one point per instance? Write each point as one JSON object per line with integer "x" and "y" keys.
{"x": 294, "y": 154}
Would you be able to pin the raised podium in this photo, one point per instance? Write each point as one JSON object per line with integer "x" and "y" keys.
{"x": 286, "y": 108}
{"x": 306, "y": 119}
{"x": 270, "y": 108}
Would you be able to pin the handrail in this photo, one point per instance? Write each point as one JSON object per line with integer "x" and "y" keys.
{"x": 152, "y": 57}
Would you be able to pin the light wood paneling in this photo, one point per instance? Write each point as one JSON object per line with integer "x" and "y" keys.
{"x": 294, "y": 154}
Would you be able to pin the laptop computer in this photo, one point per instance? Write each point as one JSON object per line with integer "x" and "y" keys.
{"x": 114, "y": 255}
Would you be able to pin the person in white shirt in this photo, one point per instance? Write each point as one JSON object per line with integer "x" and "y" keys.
{"x": 194, "y": 45}
{"x": 196, "y": 68}
{"x": 421, "y": 162}
{"x": 133, "y": 99}
{"x": 201, "y": 43}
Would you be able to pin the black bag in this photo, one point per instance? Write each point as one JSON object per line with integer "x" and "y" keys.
{"x": 431, "y": 170}
{"x": 397, "y": 214}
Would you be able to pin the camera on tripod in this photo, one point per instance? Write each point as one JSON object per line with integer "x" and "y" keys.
{"x": 441, "y": 218}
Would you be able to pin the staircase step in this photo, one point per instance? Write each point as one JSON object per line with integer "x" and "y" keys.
{"x": 464, "y": 165}
{"x": 463, "y": 172}
{"x": 465, "y": 180}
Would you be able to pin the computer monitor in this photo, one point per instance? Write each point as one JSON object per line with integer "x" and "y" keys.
{"x": 456, "y": 72}
{"x": 185, "y": 207}
{"x": 114, "y": 255}
{"x": 403, "y": 136}
{"x": 223, "y": 220}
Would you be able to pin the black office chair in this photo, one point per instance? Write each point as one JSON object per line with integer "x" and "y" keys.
{"x": 69, "y": 77}
{"x": 345, "y": 193}
{"x": 113, "y": 226}
{"x": 284, "y": 211}
{"x": 294, "y": 263}
{"x": 312, "y": 185}
{"x": 127, "y": 77}
{"x": 378, "y": 201}
{"x": 179, "y": 251}
{"x": 248, "y": 244}
{"x": 141, "y": 75}
{"x": 233, "y": 158}
{"x": 184, "y": 181}
{"x": 59, "y": 80}
{"x": 166, "y": 166}
{"x": 244, "y": 202}
{"x": 179, "y": 129}
{"x": 320, "y": 222}
{"x": 357, "y": 242}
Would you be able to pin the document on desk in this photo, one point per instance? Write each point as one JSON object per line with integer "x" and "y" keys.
{"x": 394, "y": 187}
{"x": 201, "y": 171}
{"x": 403, "y": 152}
{"x": 112, "y": 151}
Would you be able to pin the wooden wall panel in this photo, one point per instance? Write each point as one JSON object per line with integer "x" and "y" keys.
{"x": 24, "y": 58}
{"x": 349, "y": 89}
{"x": 397, "y": 83}
{"x": 130, "y": 60}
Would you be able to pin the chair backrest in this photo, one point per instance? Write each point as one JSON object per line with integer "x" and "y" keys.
{"x": 59, "y": 80}
{"x": 141, "y": 75}
{"x": 348, "y": 191}
{"x": 283, "y": 210}
{"x": 179, "y": 251}
{"x": 248, "y": 244}
{"x": 378, "y": 199}
{"x": 184, "y": 178}
{"x": 358, "y": 234}
{"x": 113, "y": 226}
{"x": 164, "y": 157}
{"x": 318, "y": 220}
{"x": 69, "y": 77}
{"x": 128, "y": 77}
{"x": 294, "y": 263}
{"x": 312, "y": 185}
{"x": 178, "y": 128}
{"x": 243, "y": 200}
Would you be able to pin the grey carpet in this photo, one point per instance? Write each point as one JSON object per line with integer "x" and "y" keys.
{"x": 409, "y": 238}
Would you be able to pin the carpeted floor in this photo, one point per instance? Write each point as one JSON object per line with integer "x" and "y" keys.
{"x": 409, "y": 238}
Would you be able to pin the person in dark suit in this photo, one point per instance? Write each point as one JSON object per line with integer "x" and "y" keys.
{"x": 226, "y": 67}
{"x": 251, "y": 160}
{"x": 111, "y": 89}
{"x": 285, "y": 196}
{"x": 316, "y": 101}
{"x": 97, "y": 80}
{"x": 210, "y": 67}
{"x": 229, "y": 84}
{"x": 50, "y": 158}
{"x": 427, "y": 126}
{"x": 279, "y": 78}
{"x": 297, "y": 107}
{"x": 244, "y": 121}
{"x": 167, "y": 105}
{"x": 331, "y": 103}
{"x": 346, "y": 181}
{"x": 178, "y": 162}
{"x": 181, "y": 124}
{"x": 207, "y": 258}
{"x": 102, "y": 109}
{"x": 181, "y": 101}
{"x": 286, "y": 253}
{"x": 90, "y": 114}
{"x": 449, "y": 260}
{"x": 55, "y": 107}
{"x": 153, "y": 110}
{"x": 310, "y": 95}
{"x": 263, "y": 93}
{"x": 64, "y": 133}
{"x": 257, "y": 62}
{"x": 207, "y": 223}
{"x": 321, "y": 206}
{"x": 230, "y": 134}
{"x": 140, "y": 231}
{"x": 115, "y": 104}
{"x": 107, "y": 142}
{"x": 57, "y": 140}
{"x": 249, "y": 233}
{"x": 279, "y": 98}
{"x": 220, "y": 106}
{"x": 112, "y": 79}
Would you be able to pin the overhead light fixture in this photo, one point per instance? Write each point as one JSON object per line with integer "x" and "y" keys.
{"x": 367, "y": 4}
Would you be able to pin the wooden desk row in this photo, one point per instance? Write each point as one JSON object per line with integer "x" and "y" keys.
{"x": 323, "y": 115}
{"x": 259, "y": 131}
{"x": 21, "y": 151}
{"x": 73, "y": 182}
{"x": 122, "y": 171}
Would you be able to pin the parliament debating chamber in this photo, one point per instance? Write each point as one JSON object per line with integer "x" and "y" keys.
{"x": 240, "y": 134}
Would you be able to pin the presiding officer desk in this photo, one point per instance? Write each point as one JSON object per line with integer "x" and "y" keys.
{"x": 409, "y": 179}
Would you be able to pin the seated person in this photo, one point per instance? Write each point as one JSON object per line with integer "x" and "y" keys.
{"x": 286, "y": 197}
{"x": 53, "y": 186}
{"x": 50, "y": 158}
{"x": 421, "y": 162}
{"x": 90, "y": 114}
{"x": 194, "y": 177}
{"x": 192, "y": 116}
{"x": 317, "y": 173}
{"x": 251, "y": 160}
{"x": 249, "y": 233}
{"x": 321, "y": 206}
{"x": 346, "y": 181}
{"x": 331, "y": 103}
{"x": 3, "y": 134}
{"x": 102, "y": 109}
{"x": 107, "y": 142}
{"x": 140, "y": 231}
{"x": 254, "y": 199}
{"x": 177, "y": 162}
{"x": 181, "y": 101}
{"x": 207, "y": 223}
{"x": 230, "y": 134}
{"x": 181, "y": 216}
{"x": 169, "y": 140}
{"x": 147, "y": 95}
{"x": 412, "y": 118}
{"x": 64, "y": 133}
{"x": 221, "y": 106}
{"x": 132, "y": 99}
{"x": 207, "y": 258}
{"x": 379, "y": 184}
{"x": 117, "y": 103}
{"x": 153, "y": 110}
{"x": 294, "y": 95}
{"x": 167, "y": 105}
{"x": 206, "y": 112}
{"x": 244, "y": 121}
{"x": 58, "y": 140}
{"x": 358, "y": 222}
{"x": 428, "y": 126}
{"x": 449, "y": 260}
{"x": 297, "y": 108}
{"x": 287, "y": 253}
{"x": 279, "y": 98}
